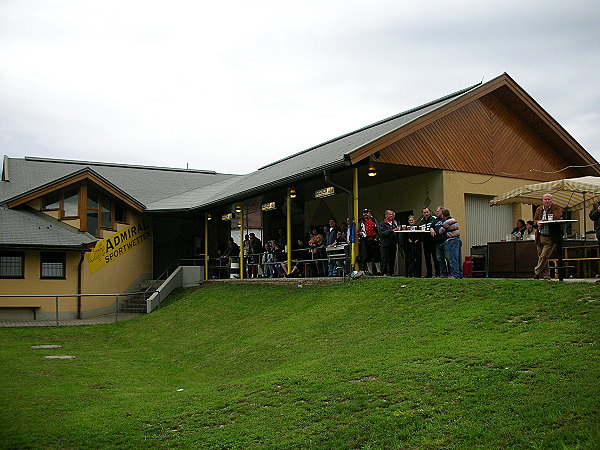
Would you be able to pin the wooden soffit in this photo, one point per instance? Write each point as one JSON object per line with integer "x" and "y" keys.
{"x": 81, "y": 175}
{"x": 506, "y": 90}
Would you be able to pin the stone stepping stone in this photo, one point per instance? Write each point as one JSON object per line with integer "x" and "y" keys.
{"x": 46, "y": 346}
{"x": 59, "y": 357}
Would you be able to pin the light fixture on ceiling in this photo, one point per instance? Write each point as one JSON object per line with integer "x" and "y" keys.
{"x": 372, "y": 171}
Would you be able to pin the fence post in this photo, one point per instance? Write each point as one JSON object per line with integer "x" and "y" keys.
{"x": 56, "y": 310}
{"x": 116, "y": 308}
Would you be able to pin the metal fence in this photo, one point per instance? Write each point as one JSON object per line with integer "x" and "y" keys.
{"x": 61, "y": 296}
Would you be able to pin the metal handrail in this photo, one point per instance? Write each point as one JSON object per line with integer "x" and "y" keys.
{"x": 77, "y": 296}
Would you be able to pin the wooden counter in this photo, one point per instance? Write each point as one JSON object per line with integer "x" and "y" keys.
{"x": 516, "y": 259}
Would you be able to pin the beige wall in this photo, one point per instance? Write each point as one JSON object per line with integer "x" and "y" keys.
{"x": 459, "y": 183}
{"x": 119, "y": 276}
{"x": 32, "y": 284}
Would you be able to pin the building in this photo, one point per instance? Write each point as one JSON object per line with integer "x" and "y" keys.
{"x": 132, "y": 222}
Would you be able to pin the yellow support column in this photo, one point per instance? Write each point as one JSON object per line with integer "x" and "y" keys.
{"x": 289, "y": 230}
{"x": 241, "y": 243}
{"x": 206, "y": 258}
{"x": 355, "y": 208}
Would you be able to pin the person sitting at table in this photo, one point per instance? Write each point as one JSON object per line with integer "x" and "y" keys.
{"x": 529, "y": 233}
{"x": 412, "y": 250}
{"x": 232, "y": 251}
{"x": 518, "y": 231}
{"x": 546, "y": 237}
{"x": 301, "y": 256}
{"x": 280, "y": 257}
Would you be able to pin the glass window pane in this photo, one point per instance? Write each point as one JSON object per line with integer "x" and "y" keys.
{"x": 92, "y": 222}
{"x": 106, "y": 213}
{"x": 53, "y": 265}
{"x": 52, "y": 201}
{"x": 71, "y": 203}
{"x": 11, "y": 265}
{"x": 92, "y": 198}
{"x": 120, "y": 213}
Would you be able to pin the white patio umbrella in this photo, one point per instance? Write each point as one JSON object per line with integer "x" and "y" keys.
{"x": 573, "y": 193}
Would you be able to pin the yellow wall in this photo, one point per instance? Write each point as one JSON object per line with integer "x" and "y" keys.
{"x": 119, "y": 276}
{"x": 34, "y": 285}
{"x": 459, "y": 183}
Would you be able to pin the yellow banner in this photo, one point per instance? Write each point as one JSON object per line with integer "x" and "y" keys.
{"x": 111, "y": 248}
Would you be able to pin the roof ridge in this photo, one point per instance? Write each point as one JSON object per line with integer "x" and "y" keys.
{"x": 106, "y": 164}
{"x": 404, "y": 113}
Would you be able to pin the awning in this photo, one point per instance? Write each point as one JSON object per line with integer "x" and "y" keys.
{"x": 574, "y": 193}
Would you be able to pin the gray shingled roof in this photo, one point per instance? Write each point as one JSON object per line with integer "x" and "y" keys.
{"x": 165, "y": 189}
{"x": 329, "y": 155}
{"x": 27, "y": 228}
{"x": 145, "y": 184}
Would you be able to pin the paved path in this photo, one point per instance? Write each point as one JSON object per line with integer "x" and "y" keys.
{"x": 108, "y": 318}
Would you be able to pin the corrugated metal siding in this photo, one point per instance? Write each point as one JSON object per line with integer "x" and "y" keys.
{"x": 484, "y": 223}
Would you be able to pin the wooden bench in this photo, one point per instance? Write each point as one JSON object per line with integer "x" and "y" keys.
{"x": 32, "y": 308}
{"x": 583, "y": 269}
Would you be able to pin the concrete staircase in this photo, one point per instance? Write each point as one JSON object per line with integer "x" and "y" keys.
{"x": 135, "y": 303}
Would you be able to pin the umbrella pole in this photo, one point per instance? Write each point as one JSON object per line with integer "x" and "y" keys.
{"x": 584, "y": 229}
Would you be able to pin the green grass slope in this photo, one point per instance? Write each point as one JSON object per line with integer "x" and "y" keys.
{"x": 385, "y": 363}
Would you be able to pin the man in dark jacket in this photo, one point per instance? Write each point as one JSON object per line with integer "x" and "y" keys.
{"x": 389, "y": 242}
{"x": 429, "y": 244}
{"x": 439, "y": 238}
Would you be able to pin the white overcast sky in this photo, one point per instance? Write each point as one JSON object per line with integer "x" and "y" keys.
{"x": 233, "y": 85}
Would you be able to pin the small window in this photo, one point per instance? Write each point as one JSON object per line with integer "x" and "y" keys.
{"x": 120, "y": 213}
{"x": 71, "y": 203}
{"x": 52, "y": 265}
{"x": 92, "y": 222}
{"x": 12, "y": 265}
{"x": 52, "y": 202}
{"x": 106, "y": 213}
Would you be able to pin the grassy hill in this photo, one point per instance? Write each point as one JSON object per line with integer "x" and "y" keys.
{"x": 378, "y": 363}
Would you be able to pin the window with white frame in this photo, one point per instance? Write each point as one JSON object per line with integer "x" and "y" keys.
{"x": 12, "y": 265}
{"x": 52, "y": 265}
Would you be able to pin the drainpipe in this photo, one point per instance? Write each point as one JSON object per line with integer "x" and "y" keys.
{"x": 79, "y": 284}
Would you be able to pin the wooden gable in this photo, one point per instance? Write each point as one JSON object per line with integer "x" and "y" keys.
{"x": 496, "y": 129}
{"x": 82, "y": 175}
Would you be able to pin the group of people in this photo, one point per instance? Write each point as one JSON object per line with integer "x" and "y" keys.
{"x": 269, "y": 260}
{"x": 438, "y": 239}
{"x": 434, "y": 237}
{"x": 524, "y": 231}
